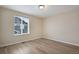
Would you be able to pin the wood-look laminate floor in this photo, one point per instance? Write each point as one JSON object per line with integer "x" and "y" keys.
{"x": 40, "y": 46}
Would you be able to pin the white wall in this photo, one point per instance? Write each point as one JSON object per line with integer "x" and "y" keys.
{"x": 6, "y": 27}
{"x": 0, "y": 28}
{"x": 63, "y": 27}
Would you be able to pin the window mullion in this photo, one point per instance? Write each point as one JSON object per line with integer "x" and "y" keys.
{"x": 21, "y": 27}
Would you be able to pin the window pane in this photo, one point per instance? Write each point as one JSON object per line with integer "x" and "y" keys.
{"x": 25, "y": 30}
{"x": 17, "y": 30}
{"x": 17, "y": 20}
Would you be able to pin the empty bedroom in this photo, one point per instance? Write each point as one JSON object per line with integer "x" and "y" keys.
{"x": 39, "y": 29}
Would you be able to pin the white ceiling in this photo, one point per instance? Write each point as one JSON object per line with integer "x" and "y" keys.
{"x": 50, "y": 10}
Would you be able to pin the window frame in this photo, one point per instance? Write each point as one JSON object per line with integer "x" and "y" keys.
{"x": 28, "y": 32}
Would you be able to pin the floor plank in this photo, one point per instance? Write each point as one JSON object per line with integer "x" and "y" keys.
{"x": 40, "y": 46}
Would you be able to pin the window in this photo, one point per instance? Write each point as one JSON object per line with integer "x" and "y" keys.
{"x": 21, "y": 25}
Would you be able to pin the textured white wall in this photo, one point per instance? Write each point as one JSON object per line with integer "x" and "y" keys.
{"x": 6, "y": 22}
{"x": 63, "y": 27}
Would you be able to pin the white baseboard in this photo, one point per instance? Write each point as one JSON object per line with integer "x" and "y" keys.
{"x": 32, "y": 38}
{"x": 40, "y": 36}
{"x": 52, "y": 38}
